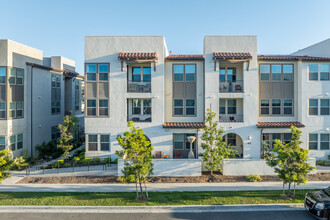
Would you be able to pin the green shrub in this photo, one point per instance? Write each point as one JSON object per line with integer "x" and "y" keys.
{"x": 60, "y": 161}
{"x": 323, "y": 162}
{"x": 67, "y": 165}
{"x": 107, "y": 160}
{"x": 48, "y": 150}
{"x": 76, "y": 160}
{"x": 329, "y": 157}
{"x": 115, "y": 161}
{"x": 97, "y": 160}
{"x": 253, "y": 178}
{"x": 86, "y": 160}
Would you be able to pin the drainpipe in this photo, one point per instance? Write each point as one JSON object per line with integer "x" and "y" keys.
{"x": 31, "y": 110}
{"x": 261, "y": 149}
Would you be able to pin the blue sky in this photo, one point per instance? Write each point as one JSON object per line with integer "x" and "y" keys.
{"x": 58, "y": 27}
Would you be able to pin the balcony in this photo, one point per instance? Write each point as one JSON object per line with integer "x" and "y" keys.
{"x": 231, "y": 86}
{"x": 231, "y": 118}
{"x": 139, "y": 118}
{"x": 139, "y": 86}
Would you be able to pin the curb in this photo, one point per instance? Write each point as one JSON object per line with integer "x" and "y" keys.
{"x": 152, "y": 209}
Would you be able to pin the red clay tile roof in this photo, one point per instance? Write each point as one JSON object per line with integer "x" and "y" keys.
{"x": 185, "y": 57}
{"x": 224, "y": 55}
{"x": 137, "y": 55}
{"x": 67, "y": 72}
{"x": 183, "y": 125}
{"x": 289, "y": 57}
{"x": 279, "y": 124}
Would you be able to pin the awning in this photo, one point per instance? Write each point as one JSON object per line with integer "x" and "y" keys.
{"x": 137, "y": 57}
{"x": 279, "y": 124}
{"x": 183, "y": 125}
{"x": 232, "y": 57}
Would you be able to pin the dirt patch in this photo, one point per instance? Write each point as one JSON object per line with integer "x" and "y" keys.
{"x": 205, "y": 178}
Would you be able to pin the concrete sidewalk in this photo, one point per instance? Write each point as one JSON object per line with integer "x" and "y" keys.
{"x": 152, "y": 209}
{"x": 156, "y": 187}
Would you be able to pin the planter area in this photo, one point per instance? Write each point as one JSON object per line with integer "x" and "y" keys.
{"x": 205, "y": 178}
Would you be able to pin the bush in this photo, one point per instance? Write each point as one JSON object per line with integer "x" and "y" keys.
{"x": 86, "y": 160}
{"x": 48, "y": 150}
{"x": 323, "y": 162}
{"x": 97, "y": 160}
{"x": 115, "y": 161}
{"x": 107, "y": 160}
{"x": 253, "y": 178}
{"x": 67, "y": 165}
{"x": 76, "y": 160}
{"x": 329, "y": 157}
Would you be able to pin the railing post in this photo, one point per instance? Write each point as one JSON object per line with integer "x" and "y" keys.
{"x": 58, "y": 167}
{"x": 88, "y": 166}
{"x": 73, "y": 167}
{"x": 43, "y": 170}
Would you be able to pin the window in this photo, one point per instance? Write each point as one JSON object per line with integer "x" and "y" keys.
{"x": 184, "y": 72}
{"x": 76, "y": 95}
{"x": 105, "y": 142}
{"x": 313, "y": 140}
{"x": 12, "y": 76}
{"x": 287, "y": 137}
{"x": 266, "y": 139}
{"x": 3, "y": 74}
{"x": 103, "y": 107}
{"x": 56, "y": 94}
{"x": 146, "y": 74}
{"x": 178, "y": 72}
{"x": 147, "y": 106}
{"x": 288, "y": 106}
{"x": 190, "y": 107}
{"x": 19, "y": 77}
{"x": 92, "y": 142}
{"x": 12, "y": 109}
{"x": 269, "y": 138}
{"x": 103, "y": 70}
{"x": 12, "y": 143}
{"x": 55, "y": 133}
{"x": 91, "y": 72}
{"x": 19, "y": 110}
{"x": 313, "y": 71}
{"x": 91, "y": 107}
{"x": 178, "y": 106}
{"x": 324, "y": 142}
{"x": 325, "y": 106}
{"x": 264, "y": 72}
{"x": 231, "y": 139}
{"x": 2, "y": 110}
{"x": 229, "y": 73}
{"x": 276, "y": 72}
{"x": 324, "y": 72}
{"x": 223, "y": 106}
{"x": 136, "y": 107}
{"x": 275, "y": 136}
{"x": 276, "y": 106}
{"x": 136, "y": 71}
{"x": 178, "y": 141}
{"x": 264, "y": 106}
{"x": 19, "y": 141}
{"x": 287, "y": 72}
{"x": 313, "y": 107}
{"x": 231, "y": 106}
{"x": 2, "y": 143}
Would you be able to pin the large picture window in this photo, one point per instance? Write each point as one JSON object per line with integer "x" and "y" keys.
{"x": 278, "y": 72}
{"x": 184, "y": 72}
{"x": 56, "y": 94}
{"x": 319, "y": 71}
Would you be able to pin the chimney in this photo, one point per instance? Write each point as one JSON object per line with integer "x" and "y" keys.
{"x": 170, "y": 52}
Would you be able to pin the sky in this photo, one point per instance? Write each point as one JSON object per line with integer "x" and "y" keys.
{"x": 58, "y": 27}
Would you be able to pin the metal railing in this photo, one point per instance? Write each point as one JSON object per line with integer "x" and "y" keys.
{"x": 139, "y": 118}
{"x": 138, "y": 86}
{"x": 231, "y": 87}
{"x": 231, "y": 118}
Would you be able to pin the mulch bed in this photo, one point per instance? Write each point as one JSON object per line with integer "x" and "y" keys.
{"x": 205, "y": 178}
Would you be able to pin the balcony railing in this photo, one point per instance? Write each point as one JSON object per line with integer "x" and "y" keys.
{"x": 139, "y": 86}
{"x": 231, "y": 118}
{"x": 139, "y": 118}
{"x": 231, "y": 87}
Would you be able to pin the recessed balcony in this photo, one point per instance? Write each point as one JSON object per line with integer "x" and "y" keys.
{"x": 231, "y": 86}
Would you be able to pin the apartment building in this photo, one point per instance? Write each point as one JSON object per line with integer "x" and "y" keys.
{"x": 257, "y": 98}
{"x": 35, "y": 94}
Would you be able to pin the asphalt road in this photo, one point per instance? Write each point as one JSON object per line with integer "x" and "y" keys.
{"x": 265, "y": 215}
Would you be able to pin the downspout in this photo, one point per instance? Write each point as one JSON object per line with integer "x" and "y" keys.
{"x": 261, "y": 147}
{"x": 31, "y": 110}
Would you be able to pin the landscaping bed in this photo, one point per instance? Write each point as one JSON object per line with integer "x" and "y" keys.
{"x": 157, "y": 198}
{"x": 205, "y": 178}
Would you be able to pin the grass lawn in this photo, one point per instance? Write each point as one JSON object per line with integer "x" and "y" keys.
{"x": 157, "y": 198}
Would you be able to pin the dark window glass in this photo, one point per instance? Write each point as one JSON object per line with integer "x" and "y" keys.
{"x": 178, "y": 72}
{"x": 313, "y": 139}
{"x": 91, "y": 68}
{"x": 325, "y": 106}
{"x": 103, "y": 68}
{"x": 313, "y": 107}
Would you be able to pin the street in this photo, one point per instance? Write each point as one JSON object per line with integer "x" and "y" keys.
{"x": 263, "y": 215}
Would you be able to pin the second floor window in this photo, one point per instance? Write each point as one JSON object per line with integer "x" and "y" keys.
{"x": 278, "y": 107}
{"x": 228, "y": 106}
{"x": 319, "y": 71}
{"x": 184, "y": 72}
{"x": 103, "y": 107}
{"x": 227, "y": 74}
{"x": 141, "y": 74}
{"x": 56, "y": 94}
{"x": 3, "y": 75}
{"x": 184, "y": 107}
{"x": 91, "y": 107}
{"x": 2, "y": 110}
{"x": 319, "y": 106}
{"x": 276, "y": 72}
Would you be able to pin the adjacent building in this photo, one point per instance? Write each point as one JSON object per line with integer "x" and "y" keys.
{"x": 257, "y": 98}
{"x": 36, "y": 92}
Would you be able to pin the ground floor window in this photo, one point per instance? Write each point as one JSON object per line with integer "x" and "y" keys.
{"x": 99, "y": 142}
{"x": 55, "y": 133}
{"x": 2, "y": 142}
{"x": 12, "y": 142}
{"x": 19, "y": 141}
{"x": 181, "y": 145}
{"x": 319, "y": 142}
{"x": 269, "y": 138}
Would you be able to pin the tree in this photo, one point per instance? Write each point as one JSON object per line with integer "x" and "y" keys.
{"x": 290, "y": 161}
{"x": 215, "y": 148}
{"x": 7, "y": 162}
{"x": 138, "y": 164}
{"x": 67, "y": 130}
